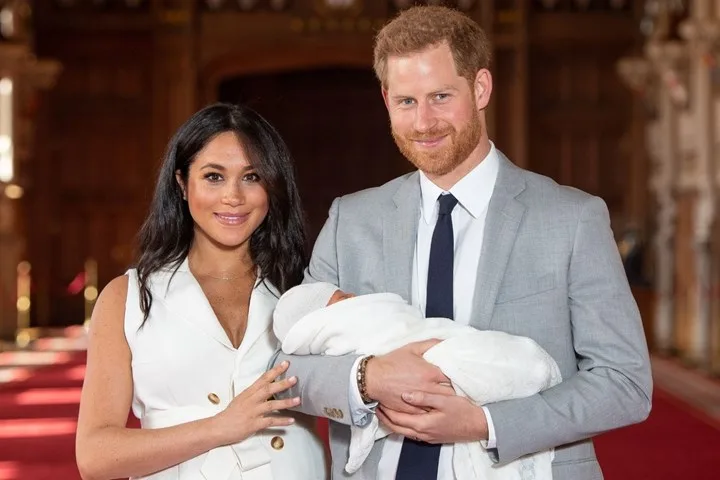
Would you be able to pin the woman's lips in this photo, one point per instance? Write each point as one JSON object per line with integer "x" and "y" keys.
{"x": 231, "y": 219}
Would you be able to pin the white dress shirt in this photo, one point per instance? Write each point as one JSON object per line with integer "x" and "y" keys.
{"x": 473, "y": 193}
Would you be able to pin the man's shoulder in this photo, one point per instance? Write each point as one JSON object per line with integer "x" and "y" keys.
{"x": 375, "y": 195}
{"x": 544, "y": 192}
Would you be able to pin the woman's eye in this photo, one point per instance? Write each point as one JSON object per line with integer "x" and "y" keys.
{"x": 213, "y": 177}
{"x": 251, "y": 177}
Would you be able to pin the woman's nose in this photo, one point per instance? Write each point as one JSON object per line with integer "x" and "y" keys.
{"x": 234, "y": 195}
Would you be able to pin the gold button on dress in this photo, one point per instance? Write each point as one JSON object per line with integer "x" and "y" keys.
{"x": 277, "y": 443}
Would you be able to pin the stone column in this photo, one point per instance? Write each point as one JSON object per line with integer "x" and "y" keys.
{"x": 663, "y": 147}
{"x": 701, "y": 32}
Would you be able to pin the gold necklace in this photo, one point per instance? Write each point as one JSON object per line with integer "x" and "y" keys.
{"x": 226, "y": 279}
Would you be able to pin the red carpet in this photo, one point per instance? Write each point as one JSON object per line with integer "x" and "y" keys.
{"x": 38, "y": 412}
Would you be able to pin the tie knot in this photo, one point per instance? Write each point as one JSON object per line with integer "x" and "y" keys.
{"x": 447, "y": 203}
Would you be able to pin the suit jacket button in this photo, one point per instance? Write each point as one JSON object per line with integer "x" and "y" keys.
{"x": 214, "y": 399}
{"x": 277, "y": 443}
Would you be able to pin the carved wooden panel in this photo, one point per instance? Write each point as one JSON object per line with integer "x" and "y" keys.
{"x": 579, "y": 114}
{"x": 94, "y": 169}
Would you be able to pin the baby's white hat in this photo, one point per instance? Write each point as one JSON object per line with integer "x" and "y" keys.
{"x": 298, "y": 302}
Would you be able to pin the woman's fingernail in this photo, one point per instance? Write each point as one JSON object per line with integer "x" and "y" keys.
{"x": 293, "y": 379}
{"x": 284, "y": 363}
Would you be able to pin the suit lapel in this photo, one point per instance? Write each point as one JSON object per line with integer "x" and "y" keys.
{"x": 400, "y": 224}
{"x": 504, "y": 215}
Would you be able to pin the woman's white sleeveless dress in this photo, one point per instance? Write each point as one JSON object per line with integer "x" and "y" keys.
{"x": 185, "y": 368}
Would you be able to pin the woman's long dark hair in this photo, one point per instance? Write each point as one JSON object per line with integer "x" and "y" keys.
{"x": 277, "y": 246}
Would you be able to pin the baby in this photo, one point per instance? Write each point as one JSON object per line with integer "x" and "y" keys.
{"x": 484, "y": 366}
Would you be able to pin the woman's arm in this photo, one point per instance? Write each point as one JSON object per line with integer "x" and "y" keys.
{"x": 106, "y": 449}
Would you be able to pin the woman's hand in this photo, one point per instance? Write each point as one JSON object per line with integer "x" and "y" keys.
{"x": 251, "y": 411}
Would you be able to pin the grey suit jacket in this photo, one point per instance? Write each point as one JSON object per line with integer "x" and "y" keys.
{"x": 549, "y": 270}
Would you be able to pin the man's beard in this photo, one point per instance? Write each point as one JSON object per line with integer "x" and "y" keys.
{"x": 443, "y": 159}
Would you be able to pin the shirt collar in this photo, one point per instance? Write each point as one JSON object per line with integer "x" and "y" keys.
{"x": 473, "y": 191}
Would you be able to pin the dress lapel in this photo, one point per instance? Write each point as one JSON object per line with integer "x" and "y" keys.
{"x": 504, "y": 215}
{"x": 184, "y": 296}
{"x": 400, "y": 223}
{"x": 262, "y": 303}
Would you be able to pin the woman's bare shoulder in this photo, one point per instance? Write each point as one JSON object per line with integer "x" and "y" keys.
{"x": 110, "y": 305}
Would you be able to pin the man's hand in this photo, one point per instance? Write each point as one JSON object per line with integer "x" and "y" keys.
{"x": 404, "y": 370}
{"x": 449, "y": 419}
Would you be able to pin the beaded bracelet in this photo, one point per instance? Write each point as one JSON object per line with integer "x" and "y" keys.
{"x": 361, "y": 379}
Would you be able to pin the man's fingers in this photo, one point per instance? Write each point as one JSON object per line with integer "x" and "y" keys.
{"x": 440, "y": 389}
{"x": 435, "y": 375}
{"x": 425, "y": 400}
{"x": 407, "y": 432}
{"x": 419, "y": 348}
{"x": 405, "y": 407}
{"x": 401, "y": 419}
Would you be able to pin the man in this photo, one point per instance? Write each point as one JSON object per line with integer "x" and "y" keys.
{"x": 475, "y": 238}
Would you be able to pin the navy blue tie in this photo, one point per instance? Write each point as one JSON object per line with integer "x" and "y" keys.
{"x": 419, "y": 460}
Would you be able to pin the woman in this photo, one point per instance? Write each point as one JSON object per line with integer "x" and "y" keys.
{"x": 185, "y": 337}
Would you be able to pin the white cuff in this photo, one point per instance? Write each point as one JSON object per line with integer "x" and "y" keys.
{"x": 491, "y": 441}
{"x": 360, "y": 412}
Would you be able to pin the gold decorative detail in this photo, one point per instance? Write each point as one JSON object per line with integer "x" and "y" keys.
{"x": 14, "y": 192}
{"x": 214, "y": 399}
{"x": 91, "y": 287}
{"x": 22, "y": 337}
{"x": 277, "y": 443}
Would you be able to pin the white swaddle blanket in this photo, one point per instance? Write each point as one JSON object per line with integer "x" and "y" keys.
{"x": 484, "y": 366}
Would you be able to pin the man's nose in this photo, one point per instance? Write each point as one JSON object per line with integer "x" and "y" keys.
{"x": 424, "y": 117}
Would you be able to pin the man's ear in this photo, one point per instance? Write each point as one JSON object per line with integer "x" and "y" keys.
{"x": 179, "y": 180}
{"x": 482, "y": 88}
{"x": 385, "y": 97}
